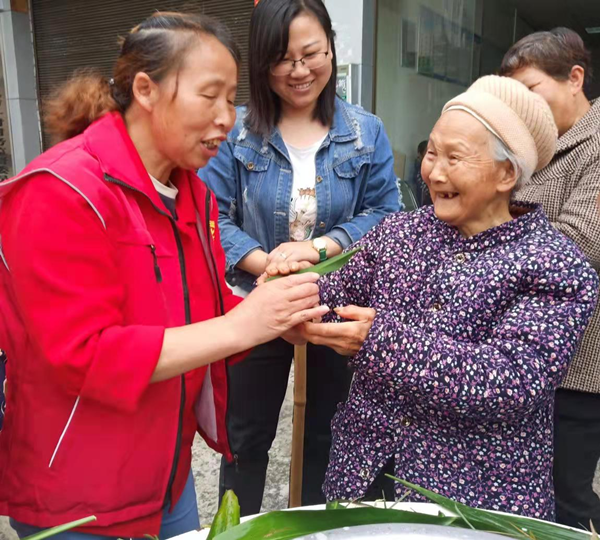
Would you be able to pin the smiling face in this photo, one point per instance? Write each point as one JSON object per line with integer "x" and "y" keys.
{"x": 469, "y": 190}
{"x": 193, "y": 110}
{"x": 301, "y": 89}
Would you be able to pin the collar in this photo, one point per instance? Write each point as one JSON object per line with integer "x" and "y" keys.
{"x": 109, "y": 142}
{"x": 586, "y": 127}
{"x": 344, "y": 128}
{"x": 528, "y": 217}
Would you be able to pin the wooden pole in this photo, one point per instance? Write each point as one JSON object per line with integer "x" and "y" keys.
{"x": 298, "y": 426}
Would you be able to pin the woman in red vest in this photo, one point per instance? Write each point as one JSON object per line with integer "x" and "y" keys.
{"x": 115, "y": 316}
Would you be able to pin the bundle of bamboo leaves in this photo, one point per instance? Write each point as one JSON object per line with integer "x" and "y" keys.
{"x": 288, "y": 525}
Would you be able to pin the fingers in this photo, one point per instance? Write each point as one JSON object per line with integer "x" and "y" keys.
{"x": 297, "y": 292}
{"x": 309, "y": 314}
{"x": 329, "y": 330}
{"x": 284, "y": 268}
{"x": 324, "y": 334}
{"x": 299, "y": 279}
{"x": 305, "y": 303}
{"x": 276, "y": 255}
{"x": 356, "y": 313}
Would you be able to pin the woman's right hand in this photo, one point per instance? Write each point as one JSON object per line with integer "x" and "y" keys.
{"x": 277, "y": 306}
{"x": 283, "y": 268}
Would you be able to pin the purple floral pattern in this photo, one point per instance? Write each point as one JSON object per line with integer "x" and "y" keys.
{"x": 456, "y": 379}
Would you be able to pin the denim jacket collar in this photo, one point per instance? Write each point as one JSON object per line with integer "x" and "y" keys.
{"x": 343, "y": 129}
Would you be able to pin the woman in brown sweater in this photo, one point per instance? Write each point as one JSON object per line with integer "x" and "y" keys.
{"x": 557, "y": 66}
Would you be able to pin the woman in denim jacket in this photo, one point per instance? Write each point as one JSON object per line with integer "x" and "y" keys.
{"x": 302, "y": 176}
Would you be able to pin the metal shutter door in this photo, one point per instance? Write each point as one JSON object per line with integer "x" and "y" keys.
{"x": 72, "y": 34}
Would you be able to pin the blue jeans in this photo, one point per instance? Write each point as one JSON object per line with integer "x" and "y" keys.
{"x": 183, "y": 519}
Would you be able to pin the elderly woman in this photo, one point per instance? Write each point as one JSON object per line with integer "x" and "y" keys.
{"x": 464, "y": 317}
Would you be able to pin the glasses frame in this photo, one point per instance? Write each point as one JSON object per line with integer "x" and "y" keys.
{"x": 301, "y": 60}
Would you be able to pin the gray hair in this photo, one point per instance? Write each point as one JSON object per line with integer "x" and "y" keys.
{"x": 500, "y": 152}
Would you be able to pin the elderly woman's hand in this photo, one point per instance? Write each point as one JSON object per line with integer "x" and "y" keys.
{"x": 344, "y": 338}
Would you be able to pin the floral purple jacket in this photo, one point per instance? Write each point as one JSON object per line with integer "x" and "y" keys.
{"x": 456, "y": 378}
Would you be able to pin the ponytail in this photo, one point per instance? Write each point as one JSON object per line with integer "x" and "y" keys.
{"x": 73, "y": 106}
{"x": 151, "y": 47}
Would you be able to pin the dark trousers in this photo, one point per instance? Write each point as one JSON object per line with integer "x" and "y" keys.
{"x": 576, "y": 456}
{"x": 257, "y": 388}
{"x": 382, "y": 487}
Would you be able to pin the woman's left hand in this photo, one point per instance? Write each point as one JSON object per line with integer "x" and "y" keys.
{"x": 344, "y": 338}
{"x": 293, "y": 252}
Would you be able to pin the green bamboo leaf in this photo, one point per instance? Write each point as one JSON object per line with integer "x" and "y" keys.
{"x": 47, "y": 533}
{"x": 294, "y": 524}
{"x": 228, "y": 515}
{"x": 520, "y": 528}
{"x": 333, "y": 505}
{"x": 328, "y": 266}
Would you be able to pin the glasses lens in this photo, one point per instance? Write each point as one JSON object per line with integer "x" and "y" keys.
{"x": 315, "y": 61}
{"x": 281, "y": 68}
{"x": 312, "y": 61}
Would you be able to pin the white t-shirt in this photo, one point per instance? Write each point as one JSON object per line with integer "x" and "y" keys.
{"x": 168, "y": 193}
{"x": 303, "y": 204}
{"x": 168, "y": 190}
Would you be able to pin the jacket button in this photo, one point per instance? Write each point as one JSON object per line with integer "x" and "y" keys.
{"x": 405, "y": 422}
{"x": 319, "y": 179}
{"x": 250, "y": 166}
{"x": 436, "y": 307}
{"x": 322, "y": 224}
{"x": 364, "y": 474}
{"x": 460, "y": 258}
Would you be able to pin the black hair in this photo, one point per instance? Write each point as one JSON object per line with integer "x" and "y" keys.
{"x": 158, "y": 46}
{"x": 269, "y": 38}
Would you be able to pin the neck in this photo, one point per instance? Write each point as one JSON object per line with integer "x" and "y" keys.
{"x": 291, "y": 115}
{"x": 580, "y": 109}
{"x": 493, "y": 216}
{"x": 139, "y": 130}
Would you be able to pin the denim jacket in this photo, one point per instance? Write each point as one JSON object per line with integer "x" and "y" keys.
{"x": 252, "y": 180}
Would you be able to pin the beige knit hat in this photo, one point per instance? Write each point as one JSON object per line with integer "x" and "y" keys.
{"x": 520, "y": 118}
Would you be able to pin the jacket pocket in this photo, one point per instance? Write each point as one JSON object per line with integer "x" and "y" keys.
{"x": 350, "y": 166}
{"x": 148, "y": 273}
{"x": 251, "y": 159}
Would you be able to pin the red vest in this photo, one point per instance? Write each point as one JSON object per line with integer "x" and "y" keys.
{"x": 92, "y": 271}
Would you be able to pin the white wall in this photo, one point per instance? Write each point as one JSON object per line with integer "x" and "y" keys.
{"x": 408, "y": 103}
{"x": 347, "y": 18}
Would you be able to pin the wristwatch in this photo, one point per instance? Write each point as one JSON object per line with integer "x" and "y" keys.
{"x": 320, "y": 245}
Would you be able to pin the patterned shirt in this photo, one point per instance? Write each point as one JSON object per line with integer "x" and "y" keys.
{"x": 456, "y": 378}
{"x": 568, "y": 189}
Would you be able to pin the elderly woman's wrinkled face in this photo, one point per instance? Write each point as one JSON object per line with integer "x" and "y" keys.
{"x": 468, "y": 188}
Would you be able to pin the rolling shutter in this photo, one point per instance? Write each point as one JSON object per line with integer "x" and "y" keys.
{"x": 72, "y": 34}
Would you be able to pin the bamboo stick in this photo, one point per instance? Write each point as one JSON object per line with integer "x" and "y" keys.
{"x": 298, "y": 426}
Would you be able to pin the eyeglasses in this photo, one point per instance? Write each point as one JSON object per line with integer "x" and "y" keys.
{"x": 310, "y": 61}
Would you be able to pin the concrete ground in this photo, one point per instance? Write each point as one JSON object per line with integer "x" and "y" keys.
{"x": 206, "y": 472}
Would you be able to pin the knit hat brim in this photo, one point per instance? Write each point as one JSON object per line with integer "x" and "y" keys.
{"x": 521, "y": 119}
